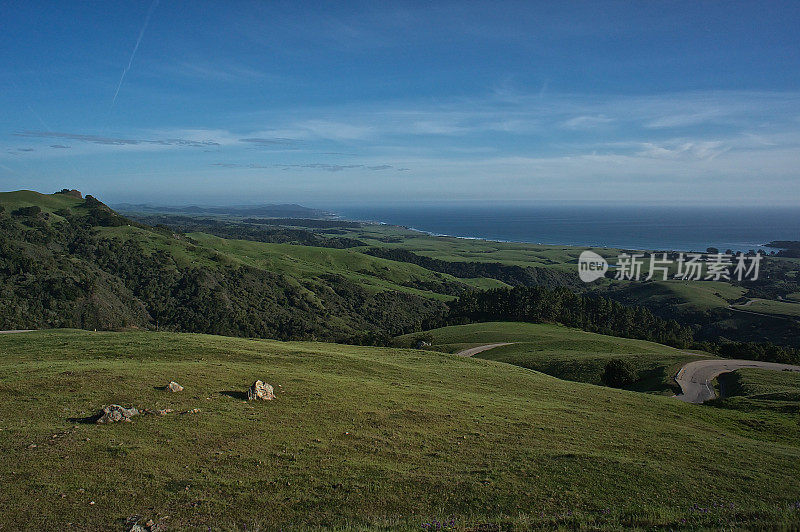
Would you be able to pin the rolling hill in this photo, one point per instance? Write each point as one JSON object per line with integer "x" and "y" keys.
{"x": 73, "y": 262}
{"x": 563, "y": 352}
{"x": 364, "y": 438}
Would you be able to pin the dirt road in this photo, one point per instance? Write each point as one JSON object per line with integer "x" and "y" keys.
{"x": 480, "y": 349}
{"x": 695, "y": 377}
{"x": 18, "y": 331}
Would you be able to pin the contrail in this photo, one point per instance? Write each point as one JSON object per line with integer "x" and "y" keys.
{"x": 133, "y": 54}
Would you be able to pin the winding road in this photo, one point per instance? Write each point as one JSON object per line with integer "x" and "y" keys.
{"x": 480, "y": 349}
{"x": 695, "y": 377}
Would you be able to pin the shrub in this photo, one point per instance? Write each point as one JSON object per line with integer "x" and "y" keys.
{"x": 27, "y": 211}
{"x": 619, "y": 373}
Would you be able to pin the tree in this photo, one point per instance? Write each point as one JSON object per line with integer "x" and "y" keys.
{"x": 619, "y": 373}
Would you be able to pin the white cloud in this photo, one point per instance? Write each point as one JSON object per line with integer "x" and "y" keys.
{"x": 586, "y": 122}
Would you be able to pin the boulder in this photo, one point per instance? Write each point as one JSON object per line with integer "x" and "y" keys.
{"x": 114, "y": 413}
{"x": 260, "y": 391}
{"x": 174, "y": 387}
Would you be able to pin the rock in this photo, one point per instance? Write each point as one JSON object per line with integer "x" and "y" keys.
{"x": 260, "y": 391}
{"x": 421, "y": 344}
{"x": 114, "y": 413}
{"x": 137, "y": 528}
{"x": 174, "y": 387}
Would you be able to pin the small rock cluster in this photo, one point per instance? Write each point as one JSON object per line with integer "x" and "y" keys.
{"x": 260, "y": 391}
{"x": 114, "y": 413}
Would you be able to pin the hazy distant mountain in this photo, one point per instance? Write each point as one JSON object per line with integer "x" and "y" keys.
{"x": 284, "y": 210}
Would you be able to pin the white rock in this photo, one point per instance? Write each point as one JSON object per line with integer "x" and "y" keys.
{"x": 260, "y": 391}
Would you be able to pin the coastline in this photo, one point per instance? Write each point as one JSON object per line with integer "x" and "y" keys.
{"x": 692, "y": 230}
{"x": 759, "y": 247}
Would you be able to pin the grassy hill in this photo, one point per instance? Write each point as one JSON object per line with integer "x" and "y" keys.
{"x": 751, "y": 389}
{"x": 363, "y": 438}
{"x": 73, "y": 262}
{"x": 685, "y": 295}
{"x": 309, "y": 261}
{"x": 788, "y": 308}
{"x": 47, "y": 202}
{"x": 563, "y": 352}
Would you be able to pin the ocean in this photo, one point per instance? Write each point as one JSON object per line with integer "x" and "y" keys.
{"x": 647, "y": 228}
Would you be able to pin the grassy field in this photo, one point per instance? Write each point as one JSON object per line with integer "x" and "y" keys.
{"x": 363, "y": 438}
{"x": 685, "y": 295}
{"x": 475, "y": 250}
{"x": 563, "y": 352}
{"x": 777, "y": 308}
{"x": 299, "y": 262}
{"x": 47, "y": 202}
{"x": 308, "y": 261}
{"x": 752, "y": 389}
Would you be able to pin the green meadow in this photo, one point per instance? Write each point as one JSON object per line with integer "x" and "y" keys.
{"x": 363, "y": 438}
{"x": 753, "y": 389}
{"x": 777, "y": 308}
{"x": 563, "y": 352}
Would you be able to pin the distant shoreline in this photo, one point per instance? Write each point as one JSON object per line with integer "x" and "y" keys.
{"x": 653, "y": 245}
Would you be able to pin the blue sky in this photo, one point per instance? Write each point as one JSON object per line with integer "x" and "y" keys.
{"x": 348, "y": 102}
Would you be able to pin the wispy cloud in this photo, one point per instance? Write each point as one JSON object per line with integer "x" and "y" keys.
{"x": 114, "y": 141}
{"x": 586, "y": 122}
{"x": 276, "y": 141}
{"x": 328, "y": 167}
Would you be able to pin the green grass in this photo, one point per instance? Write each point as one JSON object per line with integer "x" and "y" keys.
{"x": 752, "y": 389}
{"x": 686, "y": 295}
{"x": 27, "y": 198}
{"x": 563, "y": 352}
{"x": 475, "y": 250}
{"x": 777, "y": 308}
{"x": 362, "y": 438}
{"x": 309, "y": 261}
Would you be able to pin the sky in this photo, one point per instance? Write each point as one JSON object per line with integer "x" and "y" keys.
{"x": 389, "y": 102}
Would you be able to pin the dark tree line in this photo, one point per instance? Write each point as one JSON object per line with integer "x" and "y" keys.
{"x": 560, "y": 305}
{"x": 509, "y": 274}
{"x": 247, "y": 231}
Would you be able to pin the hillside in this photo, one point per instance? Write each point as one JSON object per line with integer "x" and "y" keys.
{"x": 364, "y": 437}
{"x": 562, "y": 352}
{"x": 74, "y": 262}
{"x": 71, "y": 262}
{"x": 752, "y": 389}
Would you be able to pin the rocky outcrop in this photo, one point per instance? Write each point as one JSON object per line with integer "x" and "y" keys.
{"x": 260, "y": 391}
